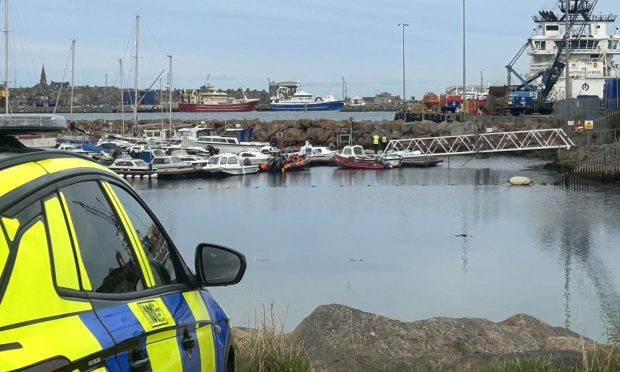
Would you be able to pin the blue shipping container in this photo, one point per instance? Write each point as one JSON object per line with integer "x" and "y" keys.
{"x": 148, "y": 97}
{"x": 612, "y": 94}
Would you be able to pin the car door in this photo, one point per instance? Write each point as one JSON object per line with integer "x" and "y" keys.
{"x": 44, "y": 322}
{"x": 138, "y": 283}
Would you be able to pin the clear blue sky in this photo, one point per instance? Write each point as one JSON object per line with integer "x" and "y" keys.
{"x": 240, "y": 43}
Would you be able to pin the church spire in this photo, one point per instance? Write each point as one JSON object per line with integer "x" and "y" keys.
{"x": 43, "y": 81}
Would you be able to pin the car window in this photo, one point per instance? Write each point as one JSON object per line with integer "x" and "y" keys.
{"x": 65, "y": 270}
{"x": 103, "y": 248}
{"x": 154, "y": 242}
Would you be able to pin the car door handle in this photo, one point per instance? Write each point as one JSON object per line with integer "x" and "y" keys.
{"x": 187, "y": 340}
{"x": 140, "y": 365}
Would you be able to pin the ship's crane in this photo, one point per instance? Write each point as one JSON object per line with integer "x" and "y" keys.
{"x": 537, "y": 94}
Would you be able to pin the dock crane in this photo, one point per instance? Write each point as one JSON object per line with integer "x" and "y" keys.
{"x": 527, "y": 97}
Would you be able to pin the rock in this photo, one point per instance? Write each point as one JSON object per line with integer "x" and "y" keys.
{"x": 422, "y": 130}
{"x": 407, "y": 128}
{"x": 520, "y": 181}
{"x": 337, "y": 337}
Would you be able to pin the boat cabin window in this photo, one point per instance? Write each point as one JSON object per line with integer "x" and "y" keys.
{"x": 175, "y": 159}
{"x": 612, "y": 44}
{"x": 123, "y": 164}
{"x": 206, "y": 132}
{"x": 232, "y": 160}
{"x": 140, "y": 163}
{"x": 552, "y": 28}
{"x": 347, "y": 151}
{"x": 358, "y": 151}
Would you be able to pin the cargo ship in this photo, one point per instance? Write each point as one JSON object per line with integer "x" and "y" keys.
{"x": 214, "y": 101}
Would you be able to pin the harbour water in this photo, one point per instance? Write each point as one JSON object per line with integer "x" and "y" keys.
{"x": 265, "y": 116}
{"x": 455, "y": 240}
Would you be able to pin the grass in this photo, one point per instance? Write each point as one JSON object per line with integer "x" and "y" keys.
{"x": 268, "y": 348}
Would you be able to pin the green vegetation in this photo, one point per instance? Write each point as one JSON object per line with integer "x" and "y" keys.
{"x": 268, "y": 348}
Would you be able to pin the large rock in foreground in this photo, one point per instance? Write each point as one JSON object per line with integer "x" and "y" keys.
{"x": 338, "y": 337}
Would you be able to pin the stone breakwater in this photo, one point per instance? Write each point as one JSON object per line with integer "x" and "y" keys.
{"x": 341, "y": 338}
{"x": 324, "y": 132}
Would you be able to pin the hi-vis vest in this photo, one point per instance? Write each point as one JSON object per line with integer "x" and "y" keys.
{"x": 384, "y": 139}
{"x": 375, "y": 139}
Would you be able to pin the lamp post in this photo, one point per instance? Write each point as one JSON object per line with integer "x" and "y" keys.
{"x": 464, "y": 69}
{"x": 403, "y": 25}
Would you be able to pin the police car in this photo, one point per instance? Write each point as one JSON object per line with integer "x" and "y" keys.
{"x": 89, "y": 279}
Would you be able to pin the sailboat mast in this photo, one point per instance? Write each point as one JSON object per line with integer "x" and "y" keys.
{"x": 72, "y": 78}
{"x": 170, "y": 94}
{"x": 6, "y": 56}
{"x": 120, "y": 62}
{"x": 135, "y": 98}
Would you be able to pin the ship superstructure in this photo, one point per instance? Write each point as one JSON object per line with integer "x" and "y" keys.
{"x": 592, "y": 44}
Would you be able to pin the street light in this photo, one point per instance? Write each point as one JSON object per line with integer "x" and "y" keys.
{"x": 403, "y": 25}
{"x": 464, "y": 69}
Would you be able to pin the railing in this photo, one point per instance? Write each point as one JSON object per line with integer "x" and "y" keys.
{"x": 538, "y": 139}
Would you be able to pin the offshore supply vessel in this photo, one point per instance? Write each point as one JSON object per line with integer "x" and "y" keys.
{"x": 571, "y": 37}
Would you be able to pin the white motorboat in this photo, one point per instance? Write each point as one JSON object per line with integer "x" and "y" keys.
{"x": 129, "y": 165}
{"x": 229, "y": 164}
{"x": 317, "y": 154}
{"x": 233, "y": 140}
{"x": 167, "y": 162}
{"x": 254, "y": 157}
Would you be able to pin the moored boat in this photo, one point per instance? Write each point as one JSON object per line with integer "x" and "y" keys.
{"x": 302, "y": 101}
{"x": 318, "y": 155}
{"x": 214, "y": 101}
{"x": 354, "y": 157}
{"x": 295, "y": 163}
{"x": 228, "y": 164}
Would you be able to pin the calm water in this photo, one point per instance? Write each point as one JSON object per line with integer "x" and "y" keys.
{"x": 410, "y": 244}
{"x": 260, "y": 115}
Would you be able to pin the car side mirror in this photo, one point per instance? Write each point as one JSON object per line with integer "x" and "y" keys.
{"x": 218, "y": 266}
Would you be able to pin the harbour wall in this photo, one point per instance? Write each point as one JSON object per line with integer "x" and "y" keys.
{"x": 324, "y": 132}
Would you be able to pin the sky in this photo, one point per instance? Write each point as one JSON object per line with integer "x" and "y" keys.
{"x": 242, "y": 43}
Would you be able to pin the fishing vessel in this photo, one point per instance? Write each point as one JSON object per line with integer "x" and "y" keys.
{"x": 214, "y": 101}
{"x": 300, "y": 100}
{"x": 592, "y": 45}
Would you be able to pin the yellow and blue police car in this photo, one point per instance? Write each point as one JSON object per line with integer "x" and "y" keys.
{"x": 89, "y": 279}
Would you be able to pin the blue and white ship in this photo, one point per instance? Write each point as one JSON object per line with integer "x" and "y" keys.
{"x": 302, "y": 101}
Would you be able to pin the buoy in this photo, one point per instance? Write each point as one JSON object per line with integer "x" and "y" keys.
{"x": 520, "y": 181}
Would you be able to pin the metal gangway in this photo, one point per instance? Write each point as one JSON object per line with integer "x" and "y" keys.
{"x": 495, "y": 142}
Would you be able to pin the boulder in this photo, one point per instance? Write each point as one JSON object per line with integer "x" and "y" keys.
{"x": 407, "y": 128}
{"x": 337, "y": 337}
{"x": 422, "y": 129}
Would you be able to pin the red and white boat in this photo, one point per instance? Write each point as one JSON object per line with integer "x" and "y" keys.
{"x": 354, "y": 157}
{"x": 214, "y": 101}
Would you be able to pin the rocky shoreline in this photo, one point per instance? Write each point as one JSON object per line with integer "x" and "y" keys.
{"x": 341, "y": 338}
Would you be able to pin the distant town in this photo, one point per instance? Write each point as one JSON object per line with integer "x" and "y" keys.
{"x": 47, "y": 97}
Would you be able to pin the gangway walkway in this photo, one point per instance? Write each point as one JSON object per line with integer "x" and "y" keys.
{"x": 537, "y": 139}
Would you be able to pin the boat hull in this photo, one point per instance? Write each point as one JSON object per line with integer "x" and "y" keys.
{"x": 247, "y": 106}
{"x": 312, "y": 106}
{"x": 354, "y": 163}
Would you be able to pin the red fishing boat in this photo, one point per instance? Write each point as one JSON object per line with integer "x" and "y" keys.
{"x": 354, "y": 157}
{"x": 214, "y": 101}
